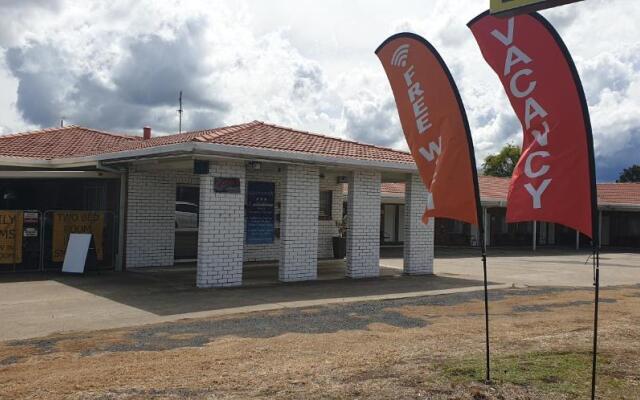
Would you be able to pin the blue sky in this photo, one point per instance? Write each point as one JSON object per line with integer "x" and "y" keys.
{"x": 119, "y": 65}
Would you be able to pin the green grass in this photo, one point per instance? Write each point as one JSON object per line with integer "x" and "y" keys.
{"x": 558, "y": 372}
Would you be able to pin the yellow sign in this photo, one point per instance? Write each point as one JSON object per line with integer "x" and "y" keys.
{"x": 10, "y": 237}
{"x": 67, "y": 222}
{"x": 513, "y": 7}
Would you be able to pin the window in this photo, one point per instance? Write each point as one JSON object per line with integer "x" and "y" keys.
{"x": 326, "y": 201}
{"x": 187, "y": 200}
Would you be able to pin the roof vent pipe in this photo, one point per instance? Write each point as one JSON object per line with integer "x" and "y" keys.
{"x": 146, "y": 133}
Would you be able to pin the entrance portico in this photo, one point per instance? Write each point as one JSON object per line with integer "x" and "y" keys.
{"x": 301, "y": 235}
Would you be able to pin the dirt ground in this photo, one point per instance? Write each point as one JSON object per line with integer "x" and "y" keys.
{"x": 420, "y": 348}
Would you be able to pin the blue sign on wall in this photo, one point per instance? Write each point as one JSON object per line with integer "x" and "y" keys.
{"x": 260, "y": 212}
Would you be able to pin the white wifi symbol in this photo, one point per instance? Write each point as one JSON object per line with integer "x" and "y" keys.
{"x": 399, "y": 58}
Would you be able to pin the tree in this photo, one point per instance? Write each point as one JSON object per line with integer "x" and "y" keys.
{"x": 503, "y": 163}
{"x": 631, "y": 174}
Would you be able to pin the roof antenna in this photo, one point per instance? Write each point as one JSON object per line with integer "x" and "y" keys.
{"x": 180, "y": 110}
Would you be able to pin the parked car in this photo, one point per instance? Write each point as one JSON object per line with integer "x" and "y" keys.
{"x": 186, "y": 215}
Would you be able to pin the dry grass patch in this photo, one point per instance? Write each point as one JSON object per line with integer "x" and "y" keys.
{"x": 421, "y": 348}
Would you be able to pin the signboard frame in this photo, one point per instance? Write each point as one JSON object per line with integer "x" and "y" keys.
{"x": 75, "y": 256}
{"x": 260, "y": 213}
{"x": 226, "y": 185}
{"x": 509, "y": 8}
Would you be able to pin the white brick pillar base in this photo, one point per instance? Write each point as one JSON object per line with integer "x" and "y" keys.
{"x": 221, "y": 229}
{"x": 363, "y": 235}
{"x": 299, "y": 224}
{"x": 418, "y": 237}
{"x": 151, "y": 218}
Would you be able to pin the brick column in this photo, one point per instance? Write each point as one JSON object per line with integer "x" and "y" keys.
{"x": 151, "y": 216}
{"x": 418, "y": 237}
{"x": 363, "y": 236}
{"x": 221, "y": 229}
{"x": 299, "y": 224}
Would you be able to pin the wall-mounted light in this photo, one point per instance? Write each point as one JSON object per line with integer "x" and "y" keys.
{"x": 255, "y": 165}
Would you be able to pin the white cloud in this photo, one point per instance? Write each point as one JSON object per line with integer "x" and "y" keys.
{"x": 120, "y": 74}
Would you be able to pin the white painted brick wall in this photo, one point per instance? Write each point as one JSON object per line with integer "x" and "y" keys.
{"x": 221, "y": 229}
{"x": 150, "y": 218}
{"x": 363, "y": 236}
{"x": 299, "y": 224}
{"x": 418, "y": 237}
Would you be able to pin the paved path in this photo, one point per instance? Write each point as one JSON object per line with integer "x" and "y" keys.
{"x": 547, "y": 268}
{"x": 38, "y": 305}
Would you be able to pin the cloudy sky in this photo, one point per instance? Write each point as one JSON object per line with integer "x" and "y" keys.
{"x": 118, "y": 65}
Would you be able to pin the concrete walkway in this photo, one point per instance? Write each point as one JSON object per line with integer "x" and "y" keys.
{"x": 40, "y": 304}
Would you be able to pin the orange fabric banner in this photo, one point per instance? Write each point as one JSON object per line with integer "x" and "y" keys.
{"x": 434, "y": 124}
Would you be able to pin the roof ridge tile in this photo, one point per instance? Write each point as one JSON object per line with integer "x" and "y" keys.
{"x": 332, "y": 138}
{"x": 67, "y": 128}
{"x": 37, "y": 131}
{"x": 206, "y": 132}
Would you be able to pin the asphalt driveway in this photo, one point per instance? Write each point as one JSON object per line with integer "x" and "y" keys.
{"x": 546, "y": 267}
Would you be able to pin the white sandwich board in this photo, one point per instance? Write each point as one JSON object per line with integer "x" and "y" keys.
{"x": 75, "y": 257}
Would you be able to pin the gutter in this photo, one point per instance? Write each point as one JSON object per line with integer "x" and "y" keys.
{"x": 619, "y": 207}
{"x": 492, "y": 202}
{"x": 102, "y": 167}
{"x": 213, "y": 149}
{"x": 56, "y": 174}
{"x": 24, "y": 162}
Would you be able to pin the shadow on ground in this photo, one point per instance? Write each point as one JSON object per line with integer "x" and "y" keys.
{"x": 310, "y": 320}
{"x": 171, "y": 291}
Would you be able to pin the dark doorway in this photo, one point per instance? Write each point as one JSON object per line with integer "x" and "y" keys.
{"x": 187, "y": 211}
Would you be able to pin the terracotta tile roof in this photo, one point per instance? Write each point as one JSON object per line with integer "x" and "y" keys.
{"x": 495, "y": 188}
{"x": 608, "y": 193}
{"x": 490, "y": 187}
{"x": 618, "y": 193}
{"x": 186, "y": 137}
{"x": 70, "y": 141}
{"x": 274, "y": 137}
{"x": 75, "y": 141}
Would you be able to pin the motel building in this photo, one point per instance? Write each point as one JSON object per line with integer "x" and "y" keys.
{"x": 618, "y": 207}
{"x": 220, "y": 198}
{"x": 227, "y": 198}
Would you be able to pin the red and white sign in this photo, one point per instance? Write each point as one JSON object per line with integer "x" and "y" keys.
{"x": 554, "y": 179}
